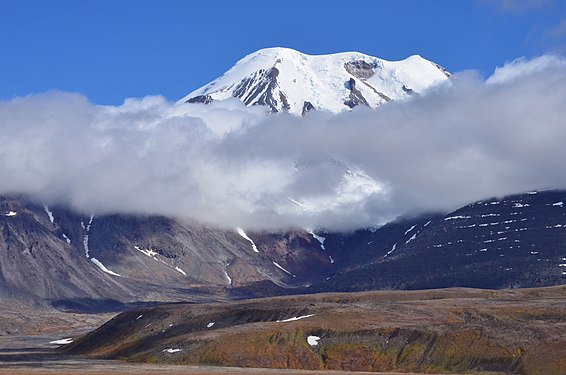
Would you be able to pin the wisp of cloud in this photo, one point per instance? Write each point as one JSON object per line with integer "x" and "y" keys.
{"x": 229, "y": 165}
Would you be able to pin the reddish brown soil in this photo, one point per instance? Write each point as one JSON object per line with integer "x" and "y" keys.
{"x": 436, "y": 331}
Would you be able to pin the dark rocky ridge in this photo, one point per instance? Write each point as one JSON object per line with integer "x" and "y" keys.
{"x": 360, "y": 69}
{"x": 356, "y": 98}
{"x": 307, "y": 107}
{"x": 409, "y": 90}
{"x": 203, "y": 99}
{"x": 443, "y": 70}
{"x": 260, "y": 88}
{"x": 517, "y": 241}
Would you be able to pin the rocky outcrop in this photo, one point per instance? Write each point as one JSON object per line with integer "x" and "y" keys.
{"x": 360, "y": 69}
{"x": 307, "y": 107}
{"x": 355, "y": 98}
{"x": 203, "y": 99}
{"x": 443, "y": 70}
{"x": 409, "y": 91}
{"x": 261, "y": 88}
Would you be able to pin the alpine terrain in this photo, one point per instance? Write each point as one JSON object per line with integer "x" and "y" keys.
{"x": 55, "y": 260}
{"x": 283, "y": 79}
{"x": 54, "y": 256}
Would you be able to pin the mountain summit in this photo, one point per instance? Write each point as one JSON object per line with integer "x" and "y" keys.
{"x": 287, "y": 80}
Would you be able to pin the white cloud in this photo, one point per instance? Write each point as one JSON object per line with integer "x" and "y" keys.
{"x": 232, "y": 166}
{"x": 522, "y": 67}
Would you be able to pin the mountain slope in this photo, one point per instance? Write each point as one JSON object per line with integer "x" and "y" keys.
{"x": 441, "y": 331}
{"x": 286, "y": 80}
{"x": 515, "y": 241}
{"x": 57, "y": 256}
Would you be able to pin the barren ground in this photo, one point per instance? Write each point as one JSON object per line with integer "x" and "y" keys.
{"x": 47, "y": 362}
{"x": 437, "y": 331}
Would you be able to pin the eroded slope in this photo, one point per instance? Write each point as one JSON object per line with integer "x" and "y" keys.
{"x": 511, "y": 331}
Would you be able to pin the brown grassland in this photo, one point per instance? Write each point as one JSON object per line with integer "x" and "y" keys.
{"x": 438, "y": 331}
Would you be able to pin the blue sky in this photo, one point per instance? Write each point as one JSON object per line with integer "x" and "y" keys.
{"x": 111, "y": 50}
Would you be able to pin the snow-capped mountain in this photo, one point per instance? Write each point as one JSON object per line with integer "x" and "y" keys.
{"x": 287, "y": 80}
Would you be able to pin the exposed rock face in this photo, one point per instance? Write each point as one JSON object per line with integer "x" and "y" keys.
{"x": 301, "y": 254}
{"x": 408, "y": 90}
{"x": 360, "y": 69}
{"x": 53, "y": 255}
{"x": 261, "y": 89}
{"x": 443, "y": 70}
{"x": 35, "y": 262}
{"x": 356, "y": 98}
{"x": 204, "y": 99}
{"x": 307, "y": 107}
{"x": 363, "y": 71}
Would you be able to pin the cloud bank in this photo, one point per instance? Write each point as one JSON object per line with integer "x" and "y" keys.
{"x": 229, "y": 165}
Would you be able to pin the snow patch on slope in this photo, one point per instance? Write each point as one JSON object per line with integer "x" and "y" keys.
{"x": 244, "y": 235}
{"x": 228, "y": 278}
{"x": 282, "y": 269}
{"x": 62, "y": 341}
{"x": 49, "y": 214}
{"x": 313, "y": 340}
{"x": 86, "y": 235}
{"x": 172, "y": 350}
{"x": 412, "y": 238}
{"x": 318, "y": 238}
{"x": 410, "y": 229}
{"x": 390, "y": 251}
{"x": 294, "y": 318}
{"x": 103, "y": 268}
{"x": 149, "y": 252}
